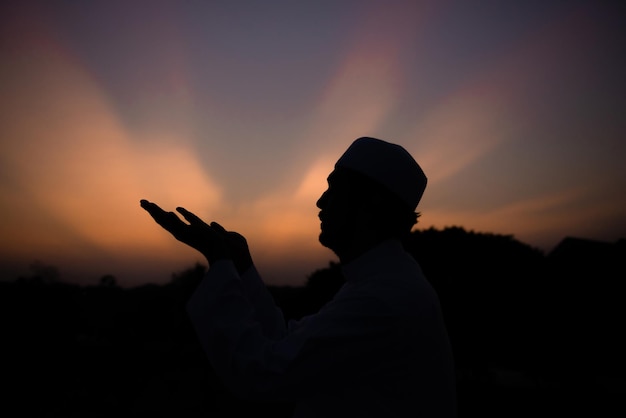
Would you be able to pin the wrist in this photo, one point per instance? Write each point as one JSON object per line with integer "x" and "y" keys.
{"x": 214, "y": 256}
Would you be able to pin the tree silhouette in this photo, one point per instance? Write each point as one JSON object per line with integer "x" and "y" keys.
{"x": 105, "y": 350}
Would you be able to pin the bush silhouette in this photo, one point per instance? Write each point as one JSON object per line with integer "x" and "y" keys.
{"x": 104, "y": 350}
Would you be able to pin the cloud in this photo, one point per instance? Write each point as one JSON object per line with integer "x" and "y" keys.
{"x": 72, "y": 175}
{"x": 282, "y": 227}
{"x": 368, "y": 82}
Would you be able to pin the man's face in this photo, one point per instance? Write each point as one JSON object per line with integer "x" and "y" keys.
{"x": 339, "y": 206}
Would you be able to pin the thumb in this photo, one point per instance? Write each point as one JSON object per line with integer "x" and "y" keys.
{"x": 219, "y": 228}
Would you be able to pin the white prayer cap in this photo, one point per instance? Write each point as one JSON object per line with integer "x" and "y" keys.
{"x": 388, "y": 164}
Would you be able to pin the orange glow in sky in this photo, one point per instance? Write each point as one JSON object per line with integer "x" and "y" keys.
{"x": 517, "y": 133}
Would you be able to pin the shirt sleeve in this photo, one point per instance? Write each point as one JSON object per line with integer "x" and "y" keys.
{"x": 341, "y": 341}
{"x": 266, "y": 312}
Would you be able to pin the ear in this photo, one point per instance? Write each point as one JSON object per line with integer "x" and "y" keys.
{"x": 371, "y": 210}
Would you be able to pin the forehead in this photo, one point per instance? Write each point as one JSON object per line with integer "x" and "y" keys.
{"x": 348, "y": 179}
{"x": 341, "y": 176}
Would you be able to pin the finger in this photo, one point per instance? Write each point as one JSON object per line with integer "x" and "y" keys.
{"x": 152, "y": 208}
{"x": 146, "y": 204}
{"x": 236, "y": 236}
{"x": 168, "y": 220}
{"x": 219, "y": 228}
{"x": 191, "y": 217}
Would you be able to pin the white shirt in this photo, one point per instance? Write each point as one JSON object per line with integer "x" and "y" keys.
{"x": 379, "y": 348}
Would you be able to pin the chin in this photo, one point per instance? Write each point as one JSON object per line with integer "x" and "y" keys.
{"x": 330, "y": 242}
{"x": 324, "y": 240}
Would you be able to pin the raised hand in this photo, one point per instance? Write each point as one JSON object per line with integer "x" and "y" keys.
{"x": 209, "y": 241}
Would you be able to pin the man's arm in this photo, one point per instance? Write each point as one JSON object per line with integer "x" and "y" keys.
{"x": 331, "y": 348}
{"x": 266, "y": 311}
{"x": 216, "y": 243}
{"x": 253, "y": 359}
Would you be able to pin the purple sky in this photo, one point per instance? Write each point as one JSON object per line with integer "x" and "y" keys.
{"x": 238, "y": 110}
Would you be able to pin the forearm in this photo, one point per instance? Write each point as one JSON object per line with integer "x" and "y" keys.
{"x": 233, "y": 339}
{"x": 337, "y": 342}
{"x": 268, "y": 314}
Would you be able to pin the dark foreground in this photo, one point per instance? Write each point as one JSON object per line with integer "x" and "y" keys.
{"x": 533, "y": 336}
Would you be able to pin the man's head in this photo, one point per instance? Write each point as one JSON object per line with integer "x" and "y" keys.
{"x": 372, "y": 195}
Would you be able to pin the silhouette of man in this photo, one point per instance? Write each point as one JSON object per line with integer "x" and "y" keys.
{"x": 379, "y": 348}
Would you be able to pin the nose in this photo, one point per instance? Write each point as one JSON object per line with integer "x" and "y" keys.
{"x": 322, "y": 200}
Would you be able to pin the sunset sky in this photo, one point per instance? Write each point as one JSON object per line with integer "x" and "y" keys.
{"x": 237, "y": 110}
